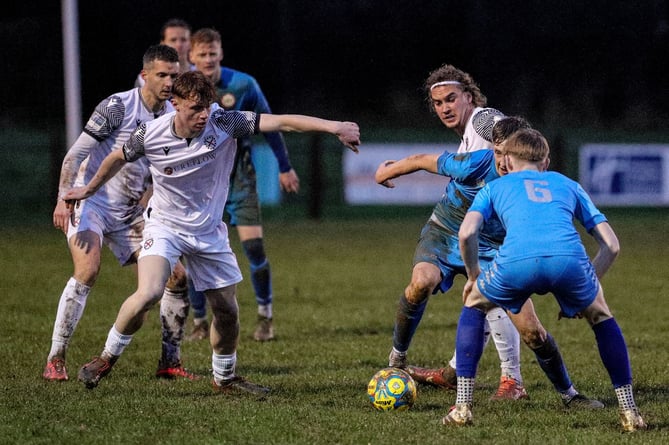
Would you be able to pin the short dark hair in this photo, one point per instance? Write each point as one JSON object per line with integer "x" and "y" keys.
{"x": 160, "y": 52}
{"x": 195, "y": 86}
{"x": 507, "y": 126}
{"x": 173, "y": 23}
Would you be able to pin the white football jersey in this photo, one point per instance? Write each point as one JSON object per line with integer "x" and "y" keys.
{"x": 190, "y": 177}
{"x": 111, "y": 124}
{"x": 478, "y": 131}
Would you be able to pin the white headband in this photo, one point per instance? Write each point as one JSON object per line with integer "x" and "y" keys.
{"x": 444, "y": 82}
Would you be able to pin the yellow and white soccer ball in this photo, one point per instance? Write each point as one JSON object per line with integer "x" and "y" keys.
{"x": 392, "y": 389}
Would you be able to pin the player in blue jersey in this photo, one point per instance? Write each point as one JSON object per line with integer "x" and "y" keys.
{"x": 240, "y": 91}
{"x": 542, "y": 252}
{"x": 191, "y": 154}
{"x": 114, "y": 216}
{"x": 459, "y": 104}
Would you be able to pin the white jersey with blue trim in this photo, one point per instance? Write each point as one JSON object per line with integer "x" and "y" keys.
{"x": 191, "y": 178}
{"x": 111, "y": 124}
{"x": 478, "y": 131}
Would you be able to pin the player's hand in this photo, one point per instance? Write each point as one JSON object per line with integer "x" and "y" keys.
{"x": 289, "y": 181}
{"x": 61, "y": 216}
{"x": 382, "y": 175}
{"x": 349, "y": 135}
{"x": 467, "y": 289}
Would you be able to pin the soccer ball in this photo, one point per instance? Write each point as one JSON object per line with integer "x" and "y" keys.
{"x": 392, "y": 389}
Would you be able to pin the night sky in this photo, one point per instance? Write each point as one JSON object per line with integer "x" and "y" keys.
{"x": 596, "y": 64}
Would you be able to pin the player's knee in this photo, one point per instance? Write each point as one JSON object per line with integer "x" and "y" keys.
{"x": 533, "y": 338}
{"x": 87, "y": 274}
{"x": 178, "y": 281}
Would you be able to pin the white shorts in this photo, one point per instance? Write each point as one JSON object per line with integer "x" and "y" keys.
{"x": 211, "y": 262}
{"x": 123, "y": 238}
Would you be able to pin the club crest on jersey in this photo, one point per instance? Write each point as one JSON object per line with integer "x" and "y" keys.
{"x": 166, "y": 150}
{"x": 148, "y": 244}
{"x": 138, "y": 122}
{"x": 168, "y": 170}
{"x": 210, "y": 142}
{"x": 228, "y": 100}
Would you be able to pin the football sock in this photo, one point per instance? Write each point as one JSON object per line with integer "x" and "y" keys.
{"x": 265, "y": 310}
{"x": 70, "y": 309}
{"x": 486, "y": 339}
{"x": 613, "y": 352}
{"x": 469, "y": 342}
{"x": 223, "y": 366}
{"x": 549, "y": 358}
{"x": 115, "y": 344}
{"x": 198, "y": 301}
{"x": 625, "y": 397}
{"x": 407, "y": 318}
{"x": 261, "y": 276}
{"x": 465, "y": 392}
{"x": 173, "y": 313}
{"x": 507, "y": 341}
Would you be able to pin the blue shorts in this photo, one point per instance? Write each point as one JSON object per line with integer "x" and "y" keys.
{"x": 439, "y": 246}
{"x": 572, "y": 280}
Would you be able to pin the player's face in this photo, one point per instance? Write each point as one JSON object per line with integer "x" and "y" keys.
{"x": 159, "y": 79}
{"x": 500, "y": 159}
{"x": 207, "y": 58}
{"x": 191, "y": 116}
{"x": 179, "y": 39}
{"x": 453, "y": 106}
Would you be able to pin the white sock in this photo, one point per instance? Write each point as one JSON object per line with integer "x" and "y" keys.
{"x": 116, "y": 343}
{"x": 507, "y": 341}
{"x": 223, "y": 366}
{"x": 265, "y": 310}
{"x": 625, "y": 397}
{"x": 199, "y": 321}
{"x": 70, "y": 309}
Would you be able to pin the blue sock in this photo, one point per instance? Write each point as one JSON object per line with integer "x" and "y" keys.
{"x": 407, "y": 318}
{"x": 613, "y": 351}
{"x": 469, "y": 341}
{"x": 549, "y": 358}
{"x": 198, "y": 301}
{"x": 261, "y": 277}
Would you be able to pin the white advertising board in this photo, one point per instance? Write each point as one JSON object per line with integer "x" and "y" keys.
{"x": 625, "y": 174}
{"x": 418, "y": 188}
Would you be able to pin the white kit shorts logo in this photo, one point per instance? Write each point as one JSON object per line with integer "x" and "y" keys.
{"x": 148, "y": 244}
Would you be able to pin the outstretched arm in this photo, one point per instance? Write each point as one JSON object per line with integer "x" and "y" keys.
{"x": 108, "y": 168}
{"x": 393, "y": 169}
{"x": 609, "y": 247}
{"x": 469, "y": 249}
{"x": 347, "y": 132}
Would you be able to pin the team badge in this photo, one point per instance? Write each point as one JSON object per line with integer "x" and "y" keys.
{"x": 168, "y": 171}
{"x": 148, "y": 244}
{"x": 228, "y": 100}
{"x": 166, "y": 150}
{"x": 210, "y": 142}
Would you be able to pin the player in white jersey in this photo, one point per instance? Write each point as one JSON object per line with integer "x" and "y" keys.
{"x": 191, "y": 154}
{"x": 114, "y": 216}
{"x": 175, "y": 32}
{"x": 461, "y": 106}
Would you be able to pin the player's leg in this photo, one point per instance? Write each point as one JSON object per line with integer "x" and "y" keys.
{"x": 198, "y": 305}
{"x": 85, "y": 249}
{"x": 507, "y": 342}
{"x": 174, "y": 307}
{"x": 613, "y": 352}
{"x": 425, "y": 277}
{"x": 469, "y": 343}
{"x": 261, "y": 278}
{"x": 153, "y": 272}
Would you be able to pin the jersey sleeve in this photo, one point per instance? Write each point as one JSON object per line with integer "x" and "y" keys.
{"x": 133, "y": 148}
{"x": 463, "y": 166}
{"x": 484, "y": 120}
{"x": 106, "y": 118}
{"x": 237, "y": 124}
{"x": 75, "y": 156}
{"x": 586, "y": 212}
{"x": 482, "y": 203}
